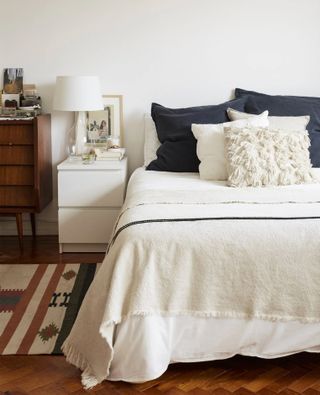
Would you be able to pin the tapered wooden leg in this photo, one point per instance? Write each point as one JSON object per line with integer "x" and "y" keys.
{"x": 20, "y": 229}
{"x": 33, "y": 224}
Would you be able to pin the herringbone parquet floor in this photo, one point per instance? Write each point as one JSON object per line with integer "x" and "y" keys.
{"x": 51, "y": 375}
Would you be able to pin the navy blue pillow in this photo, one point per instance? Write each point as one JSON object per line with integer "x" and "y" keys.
{"x": 288, "y": 106}
{"x": 178, "y": 145}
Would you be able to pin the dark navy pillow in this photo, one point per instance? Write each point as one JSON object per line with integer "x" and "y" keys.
{"x": 288, "y": 106}
{"x": 178, "y": 145}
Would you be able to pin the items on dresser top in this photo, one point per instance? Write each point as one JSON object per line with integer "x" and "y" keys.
{"x": 25, "y": 168}
{"x": 18, "y": 100}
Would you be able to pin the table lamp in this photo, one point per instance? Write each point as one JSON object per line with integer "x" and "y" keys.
{"x": 78, "y": 94}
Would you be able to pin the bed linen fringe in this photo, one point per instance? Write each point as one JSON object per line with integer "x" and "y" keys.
{"x": 88, "y": 379}
{"x": 207, "y": 314}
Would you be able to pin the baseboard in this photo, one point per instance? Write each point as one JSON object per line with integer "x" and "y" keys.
{"x": 43, "y": 228}
{"x": 82, "y": 247}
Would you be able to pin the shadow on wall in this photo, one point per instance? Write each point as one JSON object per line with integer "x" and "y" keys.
{"x": 134, "y": 137}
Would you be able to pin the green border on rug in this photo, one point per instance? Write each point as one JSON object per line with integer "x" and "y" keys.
{"x": 84, "y": 278}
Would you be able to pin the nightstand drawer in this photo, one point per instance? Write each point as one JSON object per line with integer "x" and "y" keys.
{"x": 86, "y": 225}
{"x": 87, "y": 188}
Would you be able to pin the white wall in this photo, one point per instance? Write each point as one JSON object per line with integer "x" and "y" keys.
{"x": 176, "y": 52}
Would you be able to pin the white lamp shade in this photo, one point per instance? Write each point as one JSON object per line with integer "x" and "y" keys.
{"x": 77, "y": 93}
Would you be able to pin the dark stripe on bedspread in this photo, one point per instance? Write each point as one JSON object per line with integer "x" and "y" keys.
{"x": 147, "y": 221}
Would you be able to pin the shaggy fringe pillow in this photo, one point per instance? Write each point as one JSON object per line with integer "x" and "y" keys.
{"x": 258, "y": 157}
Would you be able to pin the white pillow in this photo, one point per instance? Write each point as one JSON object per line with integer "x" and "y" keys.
{"x": 210, "y": 145}
{"x": 258, "y": 157}
{"x": 151, "y": 141}
{"x": 289, "y": 124}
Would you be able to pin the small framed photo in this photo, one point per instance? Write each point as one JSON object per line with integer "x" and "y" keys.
{"x": 106, "y": 125}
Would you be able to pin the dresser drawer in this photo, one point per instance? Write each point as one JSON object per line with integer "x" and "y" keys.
{"x": 16, "y": 175}
{"x": 17, "y": 196}
{"x": 86, "y": 225}
{"x": 87, "y": 188}
{"x": 16, "y": 134}
{"x": 16, "y": 155}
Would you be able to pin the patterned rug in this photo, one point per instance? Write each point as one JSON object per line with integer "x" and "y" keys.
{"x": 39, "y": 304}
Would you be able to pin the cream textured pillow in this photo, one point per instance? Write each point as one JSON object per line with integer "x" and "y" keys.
{"x": 289, "y": 124}
{"x": 260, "y": 157}
{"x": 210, "y": 145}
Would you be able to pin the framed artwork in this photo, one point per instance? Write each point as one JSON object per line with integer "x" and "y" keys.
{"x": 106, "y": 124}
{"x": 12, "y": 81}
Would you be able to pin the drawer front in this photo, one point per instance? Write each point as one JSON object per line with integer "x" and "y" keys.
{"x": 16, "y": 175}
{"x": 16, "y": 134}
{"x": 16, "y": 155}
{"x": 91, "y": 188}
{"x": 86, "y": 225}
{"x": 17, "y": 196}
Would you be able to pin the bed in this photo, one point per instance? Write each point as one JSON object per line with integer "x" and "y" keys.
{"x": 198, "y": 271}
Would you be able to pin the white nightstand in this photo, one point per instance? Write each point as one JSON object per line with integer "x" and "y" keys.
{"x": 89, "y": 200}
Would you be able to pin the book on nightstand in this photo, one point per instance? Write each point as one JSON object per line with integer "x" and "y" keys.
{"x": 110, "y": 154}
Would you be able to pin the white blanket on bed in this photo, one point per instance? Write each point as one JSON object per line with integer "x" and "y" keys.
{"x": 245, "y": 253}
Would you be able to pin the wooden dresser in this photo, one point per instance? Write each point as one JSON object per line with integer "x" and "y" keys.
{"x": 25, "y": 168}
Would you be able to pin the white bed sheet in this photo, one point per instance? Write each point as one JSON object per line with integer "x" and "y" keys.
{"x": 144, "y": 347}
{"x": 162, "y": 180}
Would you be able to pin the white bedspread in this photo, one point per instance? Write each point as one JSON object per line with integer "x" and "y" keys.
{"x": 186, "y": 247}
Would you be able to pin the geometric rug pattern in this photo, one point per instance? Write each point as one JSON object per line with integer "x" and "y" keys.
{"x": 39, "y": 304}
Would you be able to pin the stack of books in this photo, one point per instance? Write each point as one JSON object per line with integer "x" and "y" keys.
{"x": 109, "y": 154}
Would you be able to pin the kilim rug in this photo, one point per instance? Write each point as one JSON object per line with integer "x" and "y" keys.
{"x": 39, "y": 304}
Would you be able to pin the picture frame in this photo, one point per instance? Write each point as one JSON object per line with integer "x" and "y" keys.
{"x": 107, "y": 124}
{"x": 13, "y": 80}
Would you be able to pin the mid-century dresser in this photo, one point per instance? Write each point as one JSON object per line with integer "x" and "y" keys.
{"x": 25, "y": 168}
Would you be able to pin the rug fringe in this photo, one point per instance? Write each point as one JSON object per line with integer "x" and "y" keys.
{"x": 73, "y": 356}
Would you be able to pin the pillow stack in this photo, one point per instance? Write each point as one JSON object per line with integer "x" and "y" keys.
{"x": 255, "y": 153}
{"x": 253, "y": 140}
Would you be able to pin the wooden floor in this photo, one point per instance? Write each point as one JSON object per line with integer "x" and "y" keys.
{"x": 51, "y": 375}
{"x": 42, "y": 249}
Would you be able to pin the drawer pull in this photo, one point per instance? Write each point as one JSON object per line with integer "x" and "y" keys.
{"x": 10, "y": 144}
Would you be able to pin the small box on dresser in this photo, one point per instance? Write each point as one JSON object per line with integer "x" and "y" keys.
{"x": 89, "y": 199}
